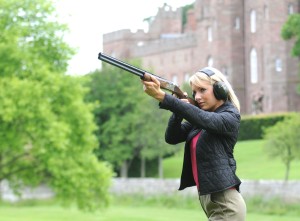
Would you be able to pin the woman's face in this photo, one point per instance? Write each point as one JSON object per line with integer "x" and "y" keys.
{"x": 204, "y": 96}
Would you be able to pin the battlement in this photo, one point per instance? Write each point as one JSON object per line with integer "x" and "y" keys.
{"x": 124, "y": 34}
{"x": 166, "y": 21}
{"x": 166, "y": 11}
{"x": 165, "y": 43}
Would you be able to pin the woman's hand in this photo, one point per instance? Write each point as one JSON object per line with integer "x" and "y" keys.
{"x": 185, "y": 99}
{"x": 152, "y": 88}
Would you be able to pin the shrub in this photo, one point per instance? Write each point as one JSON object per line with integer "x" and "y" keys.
{"x": 252, "y": 127}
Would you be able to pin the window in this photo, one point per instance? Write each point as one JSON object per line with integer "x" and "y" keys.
{"x": 266, "y": 12}
{"x": 175, "y": 79}
{"x": 278, "y": 65}
{"x": 186, "y": 77}
{"x": 237, "y": 23}
{"x": 209, "y": 34}
{"x": 253, "y": 66}
{"x": 140, "y": 44}
{"x": 253, "y": 21}
{"x": 210, "y": 62}
{"x": 291, "y": 9}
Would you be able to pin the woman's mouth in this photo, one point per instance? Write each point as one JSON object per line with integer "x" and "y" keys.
{"x": 200, "y": 104}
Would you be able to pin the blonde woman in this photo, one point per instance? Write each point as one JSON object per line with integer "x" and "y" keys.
{"x": 209, "y": 130}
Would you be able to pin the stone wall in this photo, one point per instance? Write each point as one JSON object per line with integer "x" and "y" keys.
{"x": 267, "y": 189}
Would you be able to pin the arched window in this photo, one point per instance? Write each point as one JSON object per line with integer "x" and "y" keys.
{"x": 253, "y": 21}
{"x": 291, "y": 9}
{"x": 237, "y": 24}
{"x": 253, "y": 66}
{"x": 175, "y": 79}
{"x": 186, "y": 77}
{"x": 209, "y": 34}
{"x": 278, "y": 65}
{"x": 210, "y": 62}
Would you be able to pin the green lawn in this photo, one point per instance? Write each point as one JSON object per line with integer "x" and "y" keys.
{"x": 252, "y": 163}
{"x": 120, "y": 213}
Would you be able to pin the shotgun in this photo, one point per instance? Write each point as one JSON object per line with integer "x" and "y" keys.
{"x": 146, "y": 76}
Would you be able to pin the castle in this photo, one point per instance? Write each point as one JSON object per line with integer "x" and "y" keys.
{"x": 239, "y": 37}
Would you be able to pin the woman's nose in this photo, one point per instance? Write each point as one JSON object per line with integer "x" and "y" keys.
{"x": 197, "y": 96}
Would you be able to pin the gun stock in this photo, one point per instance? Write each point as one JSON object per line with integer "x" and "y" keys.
{"x": 145, "y": 75}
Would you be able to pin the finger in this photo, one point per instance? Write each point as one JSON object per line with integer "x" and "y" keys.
{"x": 175, "y": 95}
{"x": 154, "y": 79}
{"x": 185, "y": 100}
{"x": 148, "y": 83}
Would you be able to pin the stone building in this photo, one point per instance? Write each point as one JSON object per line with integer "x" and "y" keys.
{"x": 239, "y": 37}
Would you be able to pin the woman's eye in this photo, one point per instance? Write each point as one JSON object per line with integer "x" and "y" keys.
{"x": 194, "y": 94}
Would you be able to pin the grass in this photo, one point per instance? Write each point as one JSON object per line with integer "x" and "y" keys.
{"x": 140, "y": 209}
{"x": 253, "y": 163}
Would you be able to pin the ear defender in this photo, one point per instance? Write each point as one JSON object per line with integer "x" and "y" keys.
{"x": 220, "y": 89}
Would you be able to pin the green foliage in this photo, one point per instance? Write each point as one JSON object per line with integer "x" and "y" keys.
{"x": 30, "y": 36}
{"x": 291, "y": 30}
{"x": 130, "y": 123}
{"x": 184, "y": 15}
{"x": 253, "y": 163}
{"x": 46, "y": 127}
{"x": 187, "y": 88}
{"x": 251, "y": 127}
{"x": 283, "y": 140}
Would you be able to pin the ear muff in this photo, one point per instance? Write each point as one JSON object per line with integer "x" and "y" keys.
{"x": 220, "y": 89}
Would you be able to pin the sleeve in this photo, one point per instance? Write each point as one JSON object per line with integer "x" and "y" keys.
{"x": 177, "y": 130}
{"x": 223, "y": 122}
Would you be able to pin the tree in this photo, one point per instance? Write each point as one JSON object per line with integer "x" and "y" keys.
{"x": 184, "y": 15}
{"x": 282, "y": 140}
{"x": 46, "y": 127}
{"x": 129, "y": 125}
{"x": 291, "y": 30}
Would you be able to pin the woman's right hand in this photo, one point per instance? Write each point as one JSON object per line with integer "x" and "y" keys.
{"x": 185, "y": 99}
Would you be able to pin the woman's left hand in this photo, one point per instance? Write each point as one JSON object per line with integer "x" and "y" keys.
{"x": 152, "y": 88}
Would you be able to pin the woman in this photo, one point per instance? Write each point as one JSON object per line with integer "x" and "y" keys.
{"x": 210, "y": 132}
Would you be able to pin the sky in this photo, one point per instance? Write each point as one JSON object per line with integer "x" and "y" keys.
{"x": 88, "y": 20}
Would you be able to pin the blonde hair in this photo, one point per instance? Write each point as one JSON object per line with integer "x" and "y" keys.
{"x": 216, "y": 77}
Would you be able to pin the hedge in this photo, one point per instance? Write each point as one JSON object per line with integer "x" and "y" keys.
{"x": 251, "y": 127}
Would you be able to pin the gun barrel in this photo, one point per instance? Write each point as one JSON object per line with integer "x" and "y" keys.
{"x": 127, "y": 67}
{"x": 121, "y": 64}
